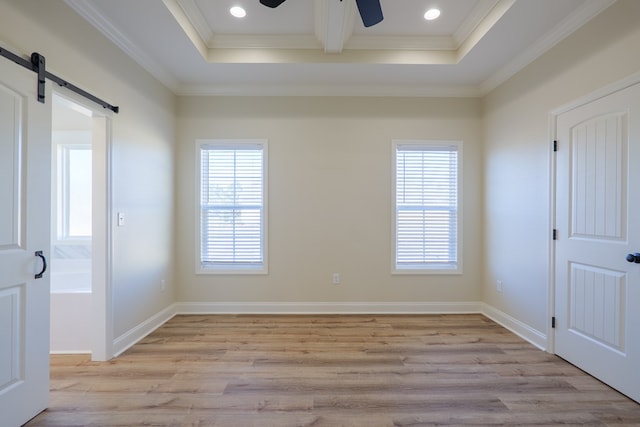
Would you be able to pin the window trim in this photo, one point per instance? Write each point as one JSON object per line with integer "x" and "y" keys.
{"x": 427, "y": 270}
{"x": 231, "y": 270}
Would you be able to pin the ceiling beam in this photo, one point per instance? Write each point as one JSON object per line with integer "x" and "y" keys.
{"x": 334, "y": 23}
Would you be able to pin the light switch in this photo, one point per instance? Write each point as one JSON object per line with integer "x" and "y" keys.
{"x": 120, "y": 219}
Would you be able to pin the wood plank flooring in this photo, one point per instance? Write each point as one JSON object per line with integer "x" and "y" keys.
{"x": 361, "y": 370}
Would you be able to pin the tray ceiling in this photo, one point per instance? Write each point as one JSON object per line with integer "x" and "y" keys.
{"x": 320, "y": 47}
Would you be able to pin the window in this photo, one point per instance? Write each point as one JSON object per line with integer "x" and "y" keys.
{"x": 232, "y": 230}
{"x": 426, "y": 194}
{"x": 74, "y": 192}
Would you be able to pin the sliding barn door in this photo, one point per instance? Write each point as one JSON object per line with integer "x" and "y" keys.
{"x": 25, "y": 151}
{"x": 598, "y": 230}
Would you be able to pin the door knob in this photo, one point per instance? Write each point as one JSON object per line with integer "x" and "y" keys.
{"x": 634, "y": 257}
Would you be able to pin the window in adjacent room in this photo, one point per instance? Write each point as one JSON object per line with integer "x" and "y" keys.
{"x": 426, "y": 223}
{"x": 74, "y": 192}
{"x": 232, "y": 228}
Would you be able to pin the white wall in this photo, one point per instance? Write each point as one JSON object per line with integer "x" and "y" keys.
{"x": 142, "y": 152}
{"x": 329, "y": 196}
{"x": 70, "y": 330}
{"x": 517, "y": 154}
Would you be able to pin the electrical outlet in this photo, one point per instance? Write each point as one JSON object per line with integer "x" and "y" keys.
{"x": 499, "y": 285}
{"x": 336, "y": 278}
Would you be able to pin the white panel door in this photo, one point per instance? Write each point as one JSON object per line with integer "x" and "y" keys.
{"x": 598, "y": 225}
{"x": 25, "y": 151}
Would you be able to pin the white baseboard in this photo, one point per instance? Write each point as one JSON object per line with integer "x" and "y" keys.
{"x": 132, "y": 336}
{"x": 327, "y": 307}
{"x": 519, "y": 328}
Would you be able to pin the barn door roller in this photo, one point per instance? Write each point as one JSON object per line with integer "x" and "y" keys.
{"x": 37, "y": 64}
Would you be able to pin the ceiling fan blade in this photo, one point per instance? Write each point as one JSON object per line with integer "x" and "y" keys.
{"x": 272, "y": 3}
{"x": 370, "y": 12}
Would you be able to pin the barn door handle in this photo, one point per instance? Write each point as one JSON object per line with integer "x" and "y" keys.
{"x": 44, "y": 264}
{"x": 634, "y": 257}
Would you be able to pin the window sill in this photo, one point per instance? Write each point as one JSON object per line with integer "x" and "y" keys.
{"x": 231, "y": 271}
{"x": 433, "y": 271}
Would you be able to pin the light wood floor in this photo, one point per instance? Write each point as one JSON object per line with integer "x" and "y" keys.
{"x": 364, "y": 370}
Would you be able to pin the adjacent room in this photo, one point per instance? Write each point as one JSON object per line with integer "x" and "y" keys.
{"x": 327, "y": 212}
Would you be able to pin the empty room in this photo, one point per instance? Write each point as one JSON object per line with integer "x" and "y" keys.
{"x": 319, "y": 212}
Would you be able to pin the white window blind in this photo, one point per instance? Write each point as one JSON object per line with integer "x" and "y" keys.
{"x": 232, "y": 206}
{"x": 426, "y": 206}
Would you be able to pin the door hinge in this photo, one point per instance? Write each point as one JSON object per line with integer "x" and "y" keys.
{"x": 554, "y": 234}
{"x": 555, "y": 145}
{"x": 553, "y": 322}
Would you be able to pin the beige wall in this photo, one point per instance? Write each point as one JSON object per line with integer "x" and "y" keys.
{"x": 142, "y": 152}
{"x": 330, "y": 173}
{"x": 329, "y": 196}
{"x": 517, "y": 154}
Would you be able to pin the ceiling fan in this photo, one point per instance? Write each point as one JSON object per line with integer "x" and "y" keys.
{"x": 370, "y": 10}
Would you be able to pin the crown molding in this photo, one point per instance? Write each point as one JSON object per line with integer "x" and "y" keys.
{"x": 359, "y": 42}
{"x": 566, "y": 27}
{"x": 195, "y": 16}
{"x": 187, "y": 26}
{"x": 317, "y": 56}
{"x": 267, "y": 41}
{"x": 439, "y": 91}
{"x": 102, "y": 24}
{"x": 305, "y": 41}
{"x": 333, "y": 30}
{"x": 356, "y": 50}
{"x": 478, "y": 14}
{"x": 488, "y": 22}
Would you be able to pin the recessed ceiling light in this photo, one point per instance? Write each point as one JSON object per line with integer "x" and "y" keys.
{"x": 432, "y": 14}
{"x": 238, "y": 12}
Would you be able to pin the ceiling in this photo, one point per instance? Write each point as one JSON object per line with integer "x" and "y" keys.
{"x": 321, "y": 47}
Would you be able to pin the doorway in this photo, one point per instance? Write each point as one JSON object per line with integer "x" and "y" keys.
{"x": 79, "y": 229}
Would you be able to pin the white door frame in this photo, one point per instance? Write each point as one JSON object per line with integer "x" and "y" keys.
{"x": 553, "y": 118}
{"x": 101, "y": 295}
